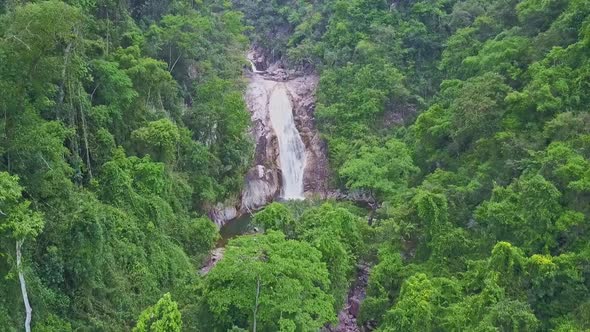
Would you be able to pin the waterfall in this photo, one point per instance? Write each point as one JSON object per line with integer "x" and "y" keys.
{"x": 291, "y": 147}
{"x": 253, "y": 67}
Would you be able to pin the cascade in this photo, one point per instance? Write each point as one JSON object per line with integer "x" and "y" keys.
{"x": 291, "y": 147}
{"x": 254, "y": 69}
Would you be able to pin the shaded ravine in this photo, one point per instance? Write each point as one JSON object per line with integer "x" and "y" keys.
{"x": 347, "y": 317}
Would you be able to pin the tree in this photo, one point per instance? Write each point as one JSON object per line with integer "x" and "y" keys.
{"x": 524, "y": 213}
{"x": 383, "y": 287}
{"x": 338, "y": 235}
{"x": 477, "y": 108}
{"x": 509, "y": 315}
{"x": 164, "y": 316}
{"x": 159, "y": 139}
{"x": 266, "y": 282}
{"x": 415, "y": 309}
{"x": 276, "y": 217}
{"x": 351, "y": 99}
{"x": 17, "y": 219}
{"x": 380, "y": 170}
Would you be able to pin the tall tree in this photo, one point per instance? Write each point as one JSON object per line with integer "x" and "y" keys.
{"x": 164, "y": 316}
{"x": 20, "y": 223}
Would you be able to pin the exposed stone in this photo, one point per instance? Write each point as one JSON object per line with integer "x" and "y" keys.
{"x": 261, "y": 189}
{"x": 262, "y": 183}
{"x": 263, "y": 180}
{"x": 214, "y": 258}
{"x": 258, "y": 58}
{"x": 347, "y": 317}
{"x": 262, "y": 186}
{"x": 354, "y": 306}
{"x": 302, "y": 90}
{"x": 223, "y": 212}
{"x": 398, "y": 114}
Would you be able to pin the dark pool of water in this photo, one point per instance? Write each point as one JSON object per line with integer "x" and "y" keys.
{"x": 239, "y": 226}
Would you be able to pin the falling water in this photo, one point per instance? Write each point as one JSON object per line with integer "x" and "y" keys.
{"x": 253, "y": 67}
{"x": 291, "y": 147}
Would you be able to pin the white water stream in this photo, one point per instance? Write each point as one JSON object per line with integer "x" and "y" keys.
{"x": 291, "y": 147}
{"x": 276, "y": 102}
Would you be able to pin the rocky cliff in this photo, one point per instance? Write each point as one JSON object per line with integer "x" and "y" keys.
{"x": 263, "y": 180}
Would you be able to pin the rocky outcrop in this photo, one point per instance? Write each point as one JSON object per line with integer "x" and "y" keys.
{"x": 214, "y": 257}
{"x": 258, "y": 58}
{"x": 263, "y": 181}
{"x": 223, "y": 212}
{"x": 302, "y": 90}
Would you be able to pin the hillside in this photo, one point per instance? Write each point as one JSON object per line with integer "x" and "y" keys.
{"x": 429, "y": 163}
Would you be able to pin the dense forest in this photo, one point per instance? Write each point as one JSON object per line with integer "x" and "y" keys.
{"x": 465, "y": 122}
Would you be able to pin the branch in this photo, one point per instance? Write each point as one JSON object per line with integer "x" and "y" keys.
{"x": 23, "y": 286}
{"x": 45, "y": 161}
{"x": 175, "y": 62}
{"x": 93, "y": 92}
{"x": 20, "y": 40}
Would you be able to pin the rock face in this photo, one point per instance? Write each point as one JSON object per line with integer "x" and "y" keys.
{"x": 221, "y": 213}
{"x": 256, "y": 55}
{"x": 214, "y": 257}
{"x": 302, "y": 90}
{"x": 263, "y": 180}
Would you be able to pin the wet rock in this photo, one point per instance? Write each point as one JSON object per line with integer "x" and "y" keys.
{"x": 214, "y": 257}
{"x": 258, "y": 58}
{"x": 317, "y": 172}
{"x": 347, "y": 317}
{"x": 222, "y": 213}
{"x": 262, "y": 186}
{"x": 263, "y": 181}
{"x": 354, "y": 306}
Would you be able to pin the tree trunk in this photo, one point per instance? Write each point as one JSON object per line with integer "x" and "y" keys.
{"x": 256, "y": 304}
{"x": 62, "y": 92}
{"x": 85, "y": 134}
{"x": 23, "y": 285}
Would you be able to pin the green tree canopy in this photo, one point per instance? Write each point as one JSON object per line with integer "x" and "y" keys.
{"x": 268, "y": 282}
{"x": 162, "y": 317}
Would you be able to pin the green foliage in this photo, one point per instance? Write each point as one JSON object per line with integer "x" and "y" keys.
{"x": 17, "y": 218}
{"x": 160, "y": 138}
{"x": 276, "y": 217}
{"x": 338, "y": 235}
{"x": 414, "y": 311}
{"x": 268, "y": 280}
{"x": 384, "y": 286}
{"x": 382, "y": 171}
{"x": 525, "y": 213}
{"x": 162, "y": 317}
{"x": 462, "y": 123}
{"x": 88, "y": 91}
{"x": 467, "y": 122}
{"x": 352, "y": 99}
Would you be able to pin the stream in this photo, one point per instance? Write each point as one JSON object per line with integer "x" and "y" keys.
{"x": 239, "y": 226}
